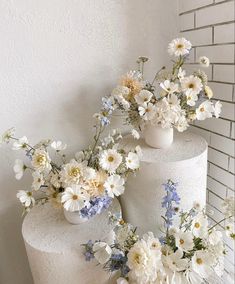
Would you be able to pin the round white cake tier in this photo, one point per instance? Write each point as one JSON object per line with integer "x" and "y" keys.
{"x": 54, "y": 246}
{"x": 184, "y": 162}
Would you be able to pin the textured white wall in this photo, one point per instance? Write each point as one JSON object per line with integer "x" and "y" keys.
{"x": 58, "y": 58}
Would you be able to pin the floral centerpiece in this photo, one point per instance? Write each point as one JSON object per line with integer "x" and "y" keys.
{"x": 172, "y": 99}
{"x": 190, "y": 252}
{"x": 85, "y": 184}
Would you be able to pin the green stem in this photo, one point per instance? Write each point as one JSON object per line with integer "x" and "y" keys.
{"x": 220, "y": 222}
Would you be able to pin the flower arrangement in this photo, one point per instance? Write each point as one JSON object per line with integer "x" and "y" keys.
{"x": 177, "y": 100}
{"x": 189, "y": 252}
{"x": 87, "y": 183}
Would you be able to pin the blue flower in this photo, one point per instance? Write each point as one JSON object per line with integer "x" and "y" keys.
{"x": 96, "y": 206}
{"x": 104, "y": 121}
{"x": 88, "y": 250}
{"x": 107, "y": 104}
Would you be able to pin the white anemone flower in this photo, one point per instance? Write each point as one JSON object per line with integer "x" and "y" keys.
{"x": 74, "y": 198}
{"x": 58, "y": 146}
{"x": 204, "y": 110}
{"x": 191, "y": 99}
{"x": 184, "y": 240}
{"x": 144, "y": 96}
{"x": 41, "y": 160}
{"x": 204, "y": 61}
{"x": 200, "y": 226}
{"x": 114, "y": 185}
{"x": 132, "y": 161}
{"x": 102, "y": 252}
{"x": 175, "y": 261}
{"x": 147, "y": 111}
{"x": 169, "y": 87}
{"x": 217, "y": 109}
{"x": 179, "y": 47}
{"x": 191, "y": 85}
{"x": 26, "y": 198}
{"x": 20, "y": 143}
{"x": 6, "y": 136}
{"x": 110, "y": 160}
{"x": 135, "y": 134}
{"x": 201, "y": 263}
{"x": 38, "y": 180}
{"x": 19, "y": 169}
{"x": 181, "y": 73}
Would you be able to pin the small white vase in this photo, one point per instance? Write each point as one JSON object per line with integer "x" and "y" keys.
{"x": 158, "y": 137}
{"x": 74, "y": 217}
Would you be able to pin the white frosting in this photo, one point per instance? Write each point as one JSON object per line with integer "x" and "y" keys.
{"x": 185, "y": 162}
{"x": 54, "y": 246}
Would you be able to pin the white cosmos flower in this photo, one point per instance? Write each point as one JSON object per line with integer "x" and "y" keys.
{"x": 181, "y": 73}
{"x": 135, "y": 134}
{"x": 201, "y": 263}
{"x": 179, "y": 47}
{"x": 102, "y": 252}
{"x": 205, "y": 110}
{"x": 74, "y": 198}
{"x": 114, "y": 185}
{"x": 25, "y": 198}
{"x": 184, "y": 240}
{"x": 204, "y": 61}
{"x": 6, "y": 136}
{"x": 191, "y": 85}
{"x": 132, "y": 161}
{"x": 58, "y": 146}
{"x": 217, "y": 109}
{"x": 191, "y": 99}
{"x": 20, "y": 143}
{"x": 169, "y": 87}
{"x": 38, "y": 180}
{"x": 147, "y": 111}
{"x": 41, "y": 160}
{"x": 19, "y": 169}
{"x": 175, "y": 261}
{"x": 122, "y": 280}
{"x": 110, "y": 160}
{"x": 72, "y": 172}
{"x": 200, "y": 226}
{"x": 152, "y": 242}
{"x": 144, "y": 96}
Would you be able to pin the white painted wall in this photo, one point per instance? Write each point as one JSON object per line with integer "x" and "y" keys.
{"x": 57, "y": 59}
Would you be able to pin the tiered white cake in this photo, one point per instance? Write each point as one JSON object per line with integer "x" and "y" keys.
{"x": 185, "y": 162}
{"x": 54, "y": 246}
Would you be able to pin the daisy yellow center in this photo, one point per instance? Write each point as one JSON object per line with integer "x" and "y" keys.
{"x": 110, "y": 158}
{"x": 191, "y": 86}
{"x": 147, "y": 110}
{"x": 180, "y": 45}
{"x": 181, "y": 241}
{"x": 137, "y": 258}
{"x": 202, "y": 109}
{"x": 112, "y": 185}
{"x": 199, "y": 261}
{"x": 41, "y": 159}
{"x": 154, "y": 245}
{"x": 145, "y": 99}
{"x": 29, "y": 193}
{"x": 197, "y": 225}
{"x": 75, "y": 197}
{"x": 74, "y": 172}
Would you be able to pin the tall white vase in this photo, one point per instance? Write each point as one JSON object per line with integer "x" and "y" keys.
{"x": 74, "y": 217}
{"x": 158, "y": 137}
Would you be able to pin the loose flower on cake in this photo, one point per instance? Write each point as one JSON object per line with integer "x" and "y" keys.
{"x": 87, "y": 183}
{"x": 189, "y": 251}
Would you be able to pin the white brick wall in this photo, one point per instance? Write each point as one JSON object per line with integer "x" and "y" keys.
{"x": 209, "y": 25}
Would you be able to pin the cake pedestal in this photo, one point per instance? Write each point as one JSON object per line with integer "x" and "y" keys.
{"x": 185, "y": 162}
{"x": 54, "y": 246}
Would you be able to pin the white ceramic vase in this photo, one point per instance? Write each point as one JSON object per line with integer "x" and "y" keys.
{"x": 158, "y": 137}
{"x": 74, "y": 217}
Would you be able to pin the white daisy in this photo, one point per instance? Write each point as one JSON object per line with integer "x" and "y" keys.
{"x": 147, "y": 111}
{"x": 132, "y": 161}
{"x": 191, "y": 85}
{"x": 169, "y": 87}
{"x": 184, "y": 240}
{"x": 175, "y": 261}
{"x": 41, "y": 160}
{"x": 205, "y": 110}
{"x": 19, "y": 169}
{"x": 72, "y": 173}
{"x": 204, "y": 61}
{"x": 191, "y": 99}
{"x": 102, "y": 252}
{"x": 20, "y": 143}
{"x": 135, "y": 134}
{"x": 26, "y": 198}
{"x": 200, "y": 226}
{"x": 144, "y": 96}
{"x": 217, "y": 109}
{"x": 201, "y": 263}
{"x": 58, "y": 146}
{"x": 110, "y": 160}
{"x": 6, "y": 136}
{"x": 181, "y": 73}
{"x": 179, "y": 47}
{"x": 38, "y": 180}
{"x": 74, "y": 198}
{"x": 114, "y": 185}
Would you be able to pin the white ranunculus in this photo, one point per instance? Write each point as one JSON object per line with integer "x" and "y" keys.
{"x": 102, "y": 252}
{"x": 205, "y": 110}
{"x": 110, "y": 160}
{"x": 58, "y": 146}
{"x": 122, "y": 280}
{"x": 169, "y": 87}
{"x": 89, "y": 173}
{"x": 20, "y": 143}
{"x": 74, "y": 198}
{"x": 114, "y": 185}
{"x": 41, "y": 160}
{"x": 132, "y": 161}
{"x": 19, "y": 169}
{"x": 144, "y": 96}
{"x": 204, "y": 61}
{"x": 147, "y": 111}
{"x": 72, "y": 173}
{"x": 135, "y": 134}
{"x": 217, "y": 109}
{"x": 201, "y": 263}
{"x": 200, "y": 226}
{"x": 184, "y": 240}
{"x": 191, "y": 85}
{"x": 38, "y": 180}
{"x": 179, "y": 47}
{"x": 25, "y": 197}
